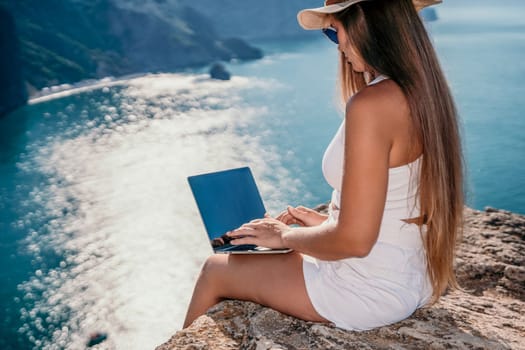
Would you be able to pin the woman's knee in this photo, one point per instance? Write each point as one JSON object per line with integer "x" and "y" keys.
{"x": 216, "y": 274}
{"x": 213, "y": 265}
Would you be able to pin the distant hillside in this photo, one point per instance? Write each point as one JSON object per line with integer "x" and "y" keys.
{"x": 250, "y": 19}
{"x": 65, "y": 41}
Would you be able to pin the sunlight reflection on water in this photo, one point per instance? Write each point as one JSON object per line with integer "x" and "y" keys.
{"x": 124, "y": 224}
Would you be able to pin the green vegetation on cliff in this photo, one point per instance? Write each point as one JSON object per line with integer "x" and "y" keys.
{"x": 65, "y": 41}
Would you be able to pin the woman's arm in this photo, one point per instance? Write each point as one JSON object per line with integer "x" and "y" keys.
{"x": 368, "y": 140}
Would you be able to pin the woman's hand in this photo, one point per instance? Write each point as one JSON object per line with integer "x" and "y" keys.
{"x": 267, "y": 232}
{"x": 301, "y": 216}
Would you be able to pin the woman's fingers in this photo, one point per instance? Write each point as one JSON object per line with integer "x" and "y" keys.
{"x": 306, "y": 216}
{"x": 282, "y": 215}
{"x": 244, "y": 240}
{"x": 265, "y": 232}
{"x": 285, "y": 218}
{"x": 248, "y": 229}
{"x": 240, "y": 232}
{"x": 299, "y": 215}
{"x": 296, "y": 213}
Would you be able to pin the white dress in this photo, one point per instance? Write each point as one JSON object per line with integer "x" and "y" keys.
{"x": 391, "y": 282}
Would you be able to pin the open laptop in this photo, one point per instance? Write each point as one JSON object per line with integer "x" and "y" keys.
{"x": 226, "y": 200}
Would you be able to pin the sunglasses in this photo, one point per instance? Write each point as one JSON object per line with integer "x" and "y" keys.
{"x": 331, "y": 33}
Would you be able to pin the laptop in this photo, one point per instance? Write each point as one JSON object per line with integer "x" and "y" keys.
{"x": 226, "y": 200}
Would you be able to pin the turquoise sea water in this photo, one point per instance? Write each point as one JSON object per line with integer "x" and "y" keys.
{"x": 98, "y": 228}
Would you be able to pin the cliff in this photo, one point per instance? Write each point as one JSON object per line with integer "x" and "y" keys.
{"x": 487, "y": 314}
{"x": 12, "y": 90}
{"x": 66, "y": 41}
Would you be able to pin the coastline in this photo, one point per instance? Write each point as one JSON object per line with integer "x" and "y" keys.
{"x": 63, "y": 90}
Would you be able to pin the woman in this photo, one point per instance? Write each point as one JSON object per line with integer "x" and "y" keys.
{"x": 387, "y": 245}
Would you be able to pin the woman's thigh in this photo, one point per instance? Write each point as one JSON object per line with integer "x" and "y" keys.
{"x": 273, "y": 280}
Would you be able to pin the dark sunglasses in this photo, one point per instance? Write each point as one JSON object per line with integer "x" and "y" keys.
{"x": 331, "y": 33}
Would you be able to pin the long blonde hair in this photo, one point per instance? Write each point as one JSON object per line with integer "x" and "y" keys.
{"x": 393, "y": 41}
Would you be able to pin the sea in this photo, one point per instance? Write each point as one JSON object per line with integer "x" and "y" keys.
{"x": 98, "y": 228}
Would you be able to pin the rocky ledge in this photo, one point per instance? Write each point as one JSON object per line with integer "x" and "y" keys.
{"x": 487, "y": 314}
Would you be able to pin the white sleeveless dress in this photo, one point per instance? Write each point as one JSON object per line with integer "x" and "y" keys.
{"x": 391, "y": 282}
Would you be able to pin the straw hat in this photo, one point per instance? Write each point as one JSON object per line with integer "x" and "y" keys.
{"x": 315, "y": 18}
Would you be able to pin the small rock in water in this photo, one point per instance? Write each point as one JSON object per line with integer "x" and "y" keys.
{"x": 219, "y": 72}
{"x": 96, "y": 338}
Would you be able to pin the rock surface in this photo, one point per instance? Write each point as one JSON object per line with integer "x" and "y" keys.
{"x": 487, "y": 314}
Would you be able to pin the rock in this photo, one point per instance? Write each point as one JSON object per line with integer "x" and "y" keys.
{"x": 486, "y": 314}
{"x": 96, "y": 338}
{"x": 219, "y": 72}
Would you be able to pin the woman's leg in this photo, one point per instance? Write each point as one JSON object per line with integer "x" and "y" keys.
{"x": 275, "y": 281}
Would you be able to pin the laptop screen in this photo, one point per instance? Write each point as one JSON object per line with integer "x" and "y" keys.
{"x": 226, "y": 200}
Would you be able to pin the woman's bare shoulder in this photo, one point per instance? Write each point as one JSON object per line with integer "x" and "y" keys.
{"x": 383, "y": 97}
{"x": 383, "y": 105}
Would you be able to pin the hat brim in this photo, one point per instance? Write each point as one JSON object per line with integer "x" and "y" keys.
{"x": 316, "y": 18}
